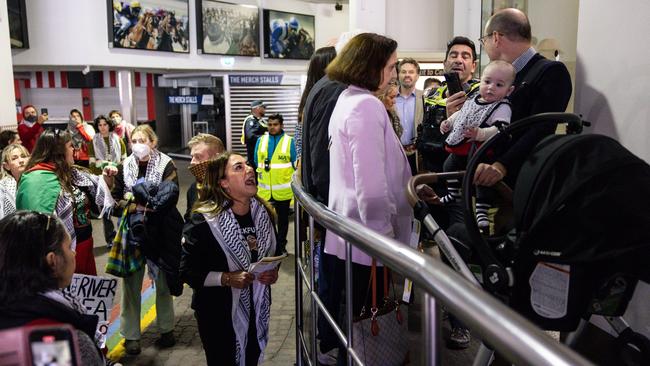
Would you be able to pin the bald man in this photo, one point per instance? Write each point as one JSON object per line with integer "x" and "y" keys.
{"x": 541, "y": 86}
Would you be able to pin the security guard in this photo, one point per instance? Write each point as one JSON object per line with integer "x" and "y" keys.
{"x": 275, "y": 158}
{"x": 254, "y": 126}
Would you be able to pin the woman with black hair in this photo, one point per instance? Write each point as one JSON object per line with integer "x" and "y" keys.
{"x": 81, "y": 134}
{"x": 106, "y": 148}
{"x": 36, "y": 261}
{"x": 52, "y": 184}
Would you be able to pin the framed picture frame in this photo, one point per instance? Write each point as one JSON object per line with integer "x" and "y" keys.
{"x": 227, "y": 29}
{"x": 288, "y": 35}
{"x": 17, "y": 13}
{"x": 154, "y": 25}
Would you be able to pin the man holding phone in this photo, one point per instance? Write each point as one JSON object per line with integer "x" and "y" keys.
{"x": 461, "y": 60}
{"x": 31, "y": 127}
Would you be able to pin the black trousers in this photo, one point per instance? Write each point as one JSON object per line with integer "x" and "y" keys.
{"x": 282, "y": 209}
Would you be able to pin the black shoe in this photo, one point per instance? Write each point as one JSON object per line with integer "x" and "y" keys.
{"x": 166, "y": 340}
{"x": 459, "y": 338}
{"x": 132, "y": 347}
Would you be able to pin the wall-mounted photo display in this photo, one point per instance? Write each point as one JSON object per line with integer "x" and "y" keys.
{"x": 228, "y": 29}
{"x": 288, "y": 35}
{"x": 17, "y": 24}
{"x": 157, "y": 25}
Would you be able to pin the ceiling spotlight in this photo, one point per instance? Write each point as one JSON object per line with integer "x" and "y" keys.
{"x": 338, "y": 6}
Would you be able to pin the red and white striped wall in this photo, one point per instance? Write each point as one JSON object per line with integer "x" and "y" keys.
{"x": 49, "y": 89}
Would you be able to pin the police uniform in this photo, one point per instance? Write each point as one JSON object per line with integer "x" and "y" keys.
{"x": 431, "y": 143}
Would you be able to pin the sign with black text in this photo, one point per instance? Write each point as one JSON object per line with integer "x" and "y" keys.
{"x": 95, "y": 293}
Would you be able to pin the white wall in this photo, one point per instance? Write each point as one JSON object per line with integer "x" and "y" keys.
{"x": 612, "y": 77}
{"x": 8, "y": 100}
{"x": 74, "y": 33}
{"x": 420, "y": 25}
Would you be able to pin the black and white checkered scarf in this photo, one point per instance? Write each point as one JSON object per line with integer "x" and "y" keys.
{"x": 226, "y": 230}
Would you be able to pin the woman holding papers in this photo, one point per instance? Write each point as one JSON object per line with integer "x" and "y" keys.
{"x": 230, "y": 228}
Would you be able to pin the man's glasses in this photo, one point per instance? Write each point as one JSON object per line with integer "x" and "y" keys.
{"x": 482, "y": 39}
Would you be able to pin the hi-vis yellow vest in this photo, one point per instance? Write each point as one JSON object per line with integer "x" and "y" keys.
{"x": 276, "y": 182}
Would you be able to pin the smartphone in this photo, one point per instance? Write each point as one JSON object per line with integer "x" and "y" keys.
{"x": 43, "y": 110}
{"x": 52, "y": 346}
{"x": 453, "y": 83}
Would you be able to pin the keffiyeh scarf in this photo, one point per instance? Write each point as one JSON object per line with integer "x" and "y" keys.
{"x": 7, "y": 196}
{"x": 155, "y": 169}
{"x": 226, "y": 230}
{"x": 112, "y": 153}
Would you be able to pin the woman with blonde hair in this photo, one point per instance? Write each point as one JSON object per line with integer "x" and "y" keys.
{"x": 14, "y": 159}
{"x": 230, "y": 228}
{"x": 388, "y": 96}
{"x": 146, "y": 187}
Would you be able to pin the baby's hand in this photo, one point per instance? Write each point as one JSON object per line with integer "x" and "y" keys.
{"x": 444, "y": 126}
{"x": 471, "y": 133}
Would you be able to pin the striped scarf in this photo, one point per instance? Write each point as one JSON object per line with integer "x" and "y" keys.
{"x": 226, "y": 230}
{"x": 155, "y": 169}
{"x": 7, "y": 196}
{"x": 99, "y": 192}
{"x": 112, "y": 153}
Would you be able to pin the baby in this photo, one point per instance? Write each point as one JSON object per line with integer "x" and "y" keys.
{"x": 477, "y": 121}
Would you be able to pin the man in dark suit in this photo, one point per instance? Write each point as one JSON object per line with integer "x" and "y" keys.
{"x": 508, "y": 37}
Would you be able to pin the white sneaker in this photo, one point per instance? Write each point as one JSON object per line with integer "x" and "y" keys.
{"x": 328, "y": 358}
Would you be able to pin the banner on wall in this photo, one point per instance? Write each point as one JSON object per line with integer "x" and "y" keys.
{"x": 255, "y": 80}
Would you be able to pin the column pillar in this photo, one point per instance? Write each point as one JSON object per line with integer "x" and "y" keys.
{"x": 369, "y": 15}
{"x": 8, "y": 100}
{"x": 126, "y": 89}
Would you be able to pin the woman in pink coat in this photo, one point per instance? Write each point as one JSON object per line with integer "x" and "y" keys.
{"x": 368, "y": 168}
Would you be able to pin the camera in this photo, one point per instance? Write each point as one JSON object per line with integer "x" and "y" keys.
{"x": 41, "y": 345}
{"x": 267, "y": 164}
{"x": 338, "y": 6}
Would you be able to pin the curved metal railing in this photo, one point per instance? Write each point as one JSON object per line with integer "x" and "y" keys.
{"x": 509, "y": 333}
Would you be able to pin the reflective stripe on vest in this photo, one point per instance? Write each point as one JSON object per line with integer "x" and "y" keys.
{"x": 275, "y": 183}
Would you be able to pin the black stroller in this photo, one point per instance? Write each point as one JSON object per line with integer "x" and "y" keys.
{"x": 580, "y": 238}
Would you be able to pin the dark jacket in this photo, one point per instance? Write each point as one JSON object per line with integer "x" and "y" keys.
{"x": 549, "y": 91}
{"x": 315, "y": 154}
{"x": 191, "y": 198}
{"x": 42, "y": 310}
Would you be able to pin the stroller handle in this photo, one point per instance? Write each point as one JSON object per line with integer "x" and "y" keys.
{"x": 428, "y": 178}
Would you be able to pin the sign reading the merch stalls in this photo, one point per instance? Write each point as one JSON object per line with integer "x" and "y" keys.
{"x": 95, "y": 294}
{"x": 183, "y": 99}
{"x": 251, "y": 80}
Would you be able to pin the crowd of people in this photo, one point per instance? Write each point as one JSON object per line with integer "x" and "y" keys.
{"x": 363, "y": 131}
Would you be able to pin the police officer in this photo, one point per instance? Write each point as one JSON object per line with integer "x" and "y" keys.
{"x": 461, "y": 59}
{"x": 275, "y": 158}
{"x": 254, "y": 127}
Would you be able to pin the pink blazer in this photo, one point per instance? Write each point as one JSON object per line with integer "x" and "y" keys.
{"x": 368, "y": 171}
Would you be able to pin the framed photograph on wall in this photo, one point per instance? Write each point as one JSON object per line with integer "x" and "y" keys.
{"x": 227, "y": 29}
{"x": 156, "y": 25}
{"x": 17, "y": 24}
{"x": 288, "y": 35}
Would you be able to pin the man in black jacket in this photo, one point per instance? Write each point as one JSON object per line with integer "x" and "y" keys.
{"x": 540, "y": 86}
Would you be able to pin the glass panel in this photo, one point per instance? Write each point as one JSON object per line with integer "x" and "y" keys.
{"x": 210, "y": 115}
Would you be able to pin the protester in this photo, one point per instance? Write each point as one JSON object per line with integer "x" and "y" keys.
{"x": 52, "y": 184}
{"x": 8, "y": 137}
{"x": 14, "y": 160}
{"x": 203, "y": 147}
{"x": 147, "y": 187}
{"x": 81, "y": 135}
{"x": 388, "y": 97}
{"x": 123, "y": 128}
{"x": 36, "y": 261}
{"x": 31, "y": 127}
{"x": 232, "y": 306}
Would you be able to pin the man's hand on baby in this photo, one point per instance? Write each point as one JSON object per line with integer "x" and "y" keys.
{"x": 444, "y": 126}
{"x": 471, "y": 133}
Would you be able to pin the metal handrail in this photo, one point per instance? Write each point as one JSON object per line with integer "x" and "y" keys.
{"x": 513, "y": 336}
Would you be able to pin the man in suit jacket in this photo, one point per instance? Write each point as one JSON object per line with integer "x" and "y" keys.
{"x": 410, "y": 107}
{"x": 508, "y": 37}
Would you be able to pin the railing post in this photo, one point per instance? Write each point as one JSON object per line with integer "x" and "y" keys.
{"x": 431, "y": 327}
{"x": 348, "y": 299}
{"x": 314, "y": 306}
{"x": 298, "y": 281}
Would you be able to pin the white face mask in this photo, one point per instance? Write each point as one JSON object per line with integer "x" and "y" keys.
{"x": 141, "y": 150}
